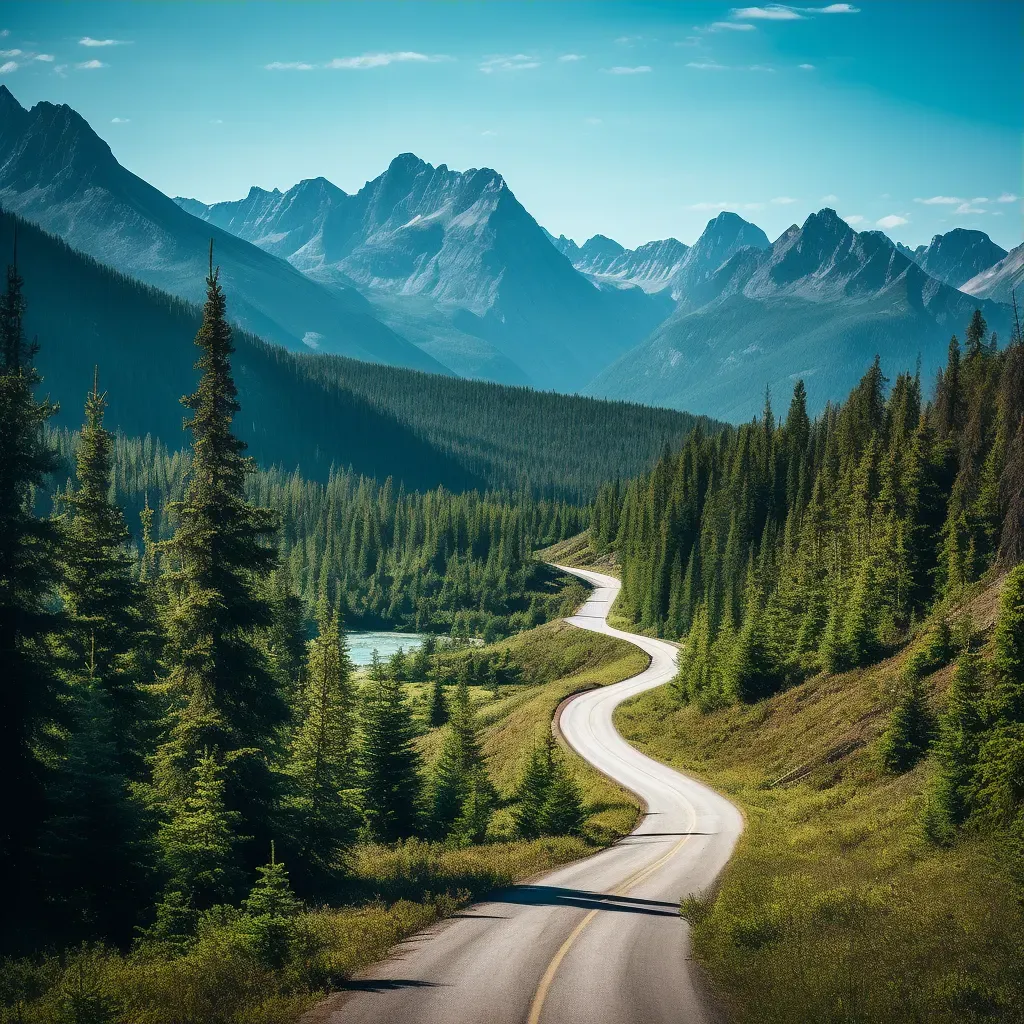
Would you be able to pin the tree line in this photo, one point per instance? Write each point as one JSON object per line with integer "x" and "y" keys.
{"x": 170, "y": 734}
{"x": 775, "y": 549}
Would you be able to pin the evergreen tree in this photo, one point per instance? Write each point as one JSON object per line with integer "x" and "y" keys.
{"x": 860, "y": 637}
{"x": 199, "y": 845}
{"x": 961, "y": 727}
{"x": 388, "y": 762}
{"x": 438, "y": 712}
{"x": 322, "y": 757}
{"x": 271, "y": 907}
{"x": 533, "y": 790}
{"x": 107, "y": 639}
{"x": 562, "y": 813}
{"x": 911, "y": 727}
{"x": 97, "y": 845}
{"x": 30, "y": 695}
{"x": 224, "y": 695}
{"x": 459, "y": 767}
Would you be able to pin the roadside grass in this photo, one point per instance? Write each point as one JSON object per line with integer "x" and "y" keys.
{"x": 835, "y": 908}
{"x": 388, "y": 892}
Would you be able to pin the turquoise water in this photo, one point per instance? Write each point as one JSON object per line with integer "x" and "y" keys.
{"x": 361, "y": 645}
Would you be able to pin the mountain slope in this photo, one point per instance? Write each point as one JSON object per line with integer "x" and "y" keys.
{"x": 455, "y": 252}
{"x": 313, "y": 411}
{"x": 55, "y": 171}
{"x": 819, "y": 304}
{"x": 1000, "y": 281}
{"x": 651, "y": 266}
{"x": 957, "y": 256}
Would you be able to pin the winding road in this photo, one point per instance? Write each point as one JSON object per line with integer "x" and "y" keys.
{"x": 599, "y": 941}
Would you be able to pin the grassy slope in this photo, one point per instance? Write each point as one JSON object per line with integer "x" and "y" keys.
{"x": 834, "y": 908}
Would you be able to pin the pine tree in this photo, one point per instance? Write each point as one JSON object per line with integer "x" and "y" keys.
{"x": 271, "y": 907}
{"x": 533, "y": 790}
{"x": 97, "y": 844}
{"x": 458, "y": 767}
{"x": 199, "y": 843}
{"x": 321, "y": 766}
{"x": 438, "y": 713}
{"x": 30, "y": 695}
{"x": 911, "y": 727}
{"x": 860, "y": 637}
{"x": 562, "y": 813}
{"x": 108, "y": 639}
{"x": 961, "y": 727}
{"x": 388, "y": 762}
{"x": 225, "y": 697}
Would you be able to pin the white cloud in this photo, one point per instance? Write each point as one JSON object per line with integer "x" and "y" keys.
{"x": 592, "y": 120}
{"x": 731, "y": 26}
{"x": 806, "y": 67}
{"x": 89, "y": 41}
{"x": 216, "y": 120}
{"x": 783, "y": 200}
{"x": 120, "y": 120}
{"x": 10, "y": 53}
{"x": 836, "y": 9}
{"x": 966, "y": 209}
{"x": 48, "y": 57}
{"x": 979, "y": 199}
{"x": 1007, "y": 197}
{"x": 770, "y": 12}
{"x": 626, "y": 40}
{"x": 4, "y": 33}
{"x": 690, "y": 41}
{"x": 894, "y": 220}
{"x": 761, "y": 67}
{"x": 288, "y": 65}
{"x": 91, "y": 65}
{"x": 854, "y": 219}
{"x": 488, "y": 132}
{"x": 379, "y": 60}
{"x": 8, "y": 67}
{"x": 940, "y": 201}
{"x": 571, "y": 57}
{"x": 639, "y": 70}
{"x": 707, "y": 65}
{"x": 830, "y": 198}
{"x": 517, "y": 62}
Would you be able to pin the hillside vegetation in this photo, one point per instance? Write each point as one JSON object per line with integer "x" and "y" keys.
{"x": 838, "y": 905}
{"x": 314, "y": 411}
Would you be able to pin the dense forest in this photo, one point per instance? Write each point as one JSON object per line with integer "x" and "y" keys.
{"x": 778, "y": 548}
{"x": 170, "y": 734}
{"x": 459, "y": 563}
{"x": 320, "y": 412}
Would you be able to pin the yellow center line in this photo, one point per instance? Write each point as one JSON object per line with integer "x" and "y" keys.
{"x": 621, "y": 890}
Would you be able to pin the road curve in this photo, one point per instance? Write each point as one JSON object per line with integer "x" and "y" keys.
{"x": 599, "y": 941}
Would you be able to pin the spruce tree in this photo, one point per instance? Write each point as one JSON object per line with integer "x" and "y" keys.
{"x": 562, "y": 813}
{"x": 108, "y": 639}
{"x": 271, "y": 907}
{"x": 458, "y": 767}
{"x": 910, "y": 729}
{"x": 322, "y": 763}
{"x": 224, "y": 695}
{"x": 437, "y": 714}
{"x": 389, "y": 764}
{"x": 961, "y": 727}
{"x": 198, "y": 844}
{"x": 860, "y": 636}
{"x": 533, "y": 790}
{"x": 30, "y": 695}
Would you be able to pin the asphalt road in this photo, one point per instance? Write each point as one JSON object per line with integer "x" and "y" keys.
{"x": 596, "y": 942}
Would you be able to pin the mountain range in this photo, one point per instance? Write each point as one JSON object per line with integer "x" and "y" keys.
{"x": 817, "y": 304}
{"x": 445, "y": 271}
{"x": 453, "y": 260}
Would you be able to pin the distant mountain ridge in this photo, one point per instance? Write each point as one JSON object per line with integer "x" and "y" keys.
{"x": 819, "y": 303}
{"x": 457, "y": 252}
{"x": 56, "y": 171}
{"x": 1000, "y": 281}
{"x": 957, "y": 256}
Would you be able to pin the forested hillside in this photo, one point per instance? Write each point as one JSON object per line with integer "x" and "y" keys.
{"x": 386, "y": 557}
{"x": 317, "y": 411}
{"x": 778, "y": 548}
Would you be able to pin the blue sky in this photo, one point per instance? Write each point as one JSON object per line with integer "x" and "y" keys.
{"x": 635, "y": 120}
